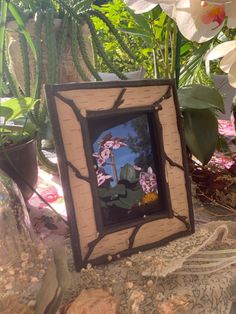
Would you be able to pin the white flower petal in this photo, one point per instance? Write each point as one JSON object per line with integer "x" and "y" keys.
{"x": 220, "y": 50}
{"x": 232, "y": 75}
{"x": 169, "y": 9}
{"x": 141, "y": 6}
{"x": 228, "y": 60}
{"x": 189, "y": 18}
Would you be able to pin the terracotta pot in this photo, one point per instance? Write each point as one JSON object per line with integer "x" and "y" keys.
{"x": 67, "y": 71}
{"x": 20, "y": 163}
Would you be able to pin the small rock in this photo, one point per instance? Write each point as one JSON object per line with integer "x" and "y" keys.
{"x": 150, "y": 283}
{"x": 129, "y": 263}
{"x": 24, "y": 257}
{"x": 31, "y": 303}
{"x": 11, "y": 271}
{"x": 9, "y": 286}
{"x": 94, "y": 301}
{"x": 129, "y": 285}
{"x": 34, "y": 279}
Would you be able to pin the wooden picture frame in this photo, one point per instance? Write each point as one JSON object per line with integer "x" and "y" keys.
{"x": 78, "y": 110}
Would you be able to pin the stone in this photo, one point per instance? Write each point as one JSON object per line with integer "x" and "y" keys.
{"x": 94, "y": 301}
{"x": 34, "y": 279}
{"x": 31, "y": 303}
{"x": 9, "y": 286}
{"x": 129, "y": 285}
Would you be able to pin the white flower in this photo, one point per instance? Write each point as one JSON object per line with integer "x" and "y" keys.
{"x": 197, "y": 20}
{"x": 226, "y": 51}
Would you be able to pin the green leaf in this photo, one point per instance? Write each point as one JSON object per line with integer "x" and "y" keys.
{"x": 5, "y": 112}
{"x": 200, "y": 97}
{"x": 201, "y": 133}
{"x": 141, "y": 20}
{"x": 18, "y": 106}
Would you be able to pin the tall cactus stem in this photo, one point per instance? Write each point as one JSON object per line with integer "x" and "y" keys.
{"x": 38, "y": 46}
{"x": 84, "y": 53}
{"x": 63, "y": 36}
{"x": 51, "y": 46}
{"x": 100, "y": 48}
{"x": 13, "y": 86}
{"x": 114, "y": 31}
{"x": 25, "y": 63}
{"x": 74, "y": 51}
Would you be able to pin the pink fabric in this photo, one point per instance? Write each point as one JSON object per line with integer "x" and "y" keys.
{"x": 46, "y": 223}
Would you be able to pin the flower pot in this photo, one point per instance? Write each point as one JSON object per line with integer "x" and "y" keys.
{"x": 66, "y": 69}
{"x": 20, "y": 163}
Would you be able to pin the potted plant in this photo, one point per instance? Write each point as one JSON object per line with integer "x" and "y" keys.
{"x": 51, "y": 42}
{"x": 18, "y": 157}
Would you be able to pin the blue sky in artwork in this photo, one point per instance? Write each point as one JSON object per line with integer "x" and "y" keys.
{"x": 122, "y": 155}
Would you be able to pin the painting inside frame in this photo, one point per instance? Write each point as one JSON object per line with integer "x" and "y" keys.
{"x": 125, "y": 159}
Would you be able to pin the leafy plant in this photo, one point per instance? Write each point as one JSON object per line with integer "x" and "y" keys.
{"x": 165, "y": 53}
{"x": 47, "y": 42}
{"x": 199, "y": 105}
{"x": 16, "y": 127}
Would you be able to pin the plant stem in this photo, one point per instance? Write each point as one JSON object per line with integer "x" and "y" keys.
{"x": 3, "y": 15}
{"x": 166, "y": 49}
{"x": 173, "y": 51}
{"x": 177, "y": 58}
{"x": 156, "y": 71}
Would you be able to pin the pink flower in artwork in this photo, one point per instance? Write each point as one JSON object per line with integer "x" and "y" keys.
{"x": 148, "y": 181}
{"x": 105, "y": 153}
{"x": 102, "y": 176}
{"x": 100, "y": 161}
{"x": 108, "y": 144}
{"x": 118, "y": 142}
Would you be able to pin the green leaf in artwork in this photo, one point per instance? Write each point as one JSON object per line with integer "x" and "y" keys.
{"x": 128, "y": 173}
{"x": 112, "y": 193}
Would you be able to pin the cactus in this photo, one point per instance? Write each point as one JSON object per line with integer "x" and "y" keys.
{"x": 38, "y": 31}
{"x": 100, "y": 48}
{"x": 63, "y": 36}
{"x": 113, "y": 30}
{"x": 3, "y": 14}
{"x": 25, "y": 63}
{"x": 85, "y": 55}
{"x": 11, "y": 81}
{"x": 74, "y": 51}
{"x": 51, "y": 46}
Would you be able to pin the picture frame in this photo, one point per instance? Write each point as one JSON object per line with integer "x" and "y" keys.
{"x": 123, "y": 166}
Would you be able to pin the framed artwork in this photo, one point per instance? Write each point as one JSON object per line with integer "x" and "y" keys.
{"x": 123, "y": 166}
